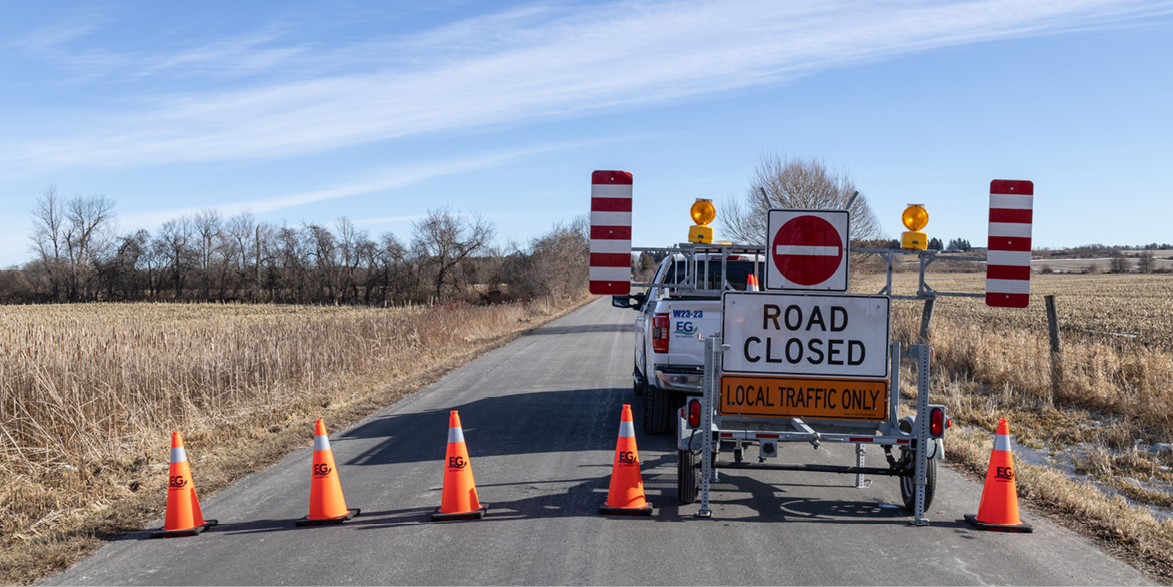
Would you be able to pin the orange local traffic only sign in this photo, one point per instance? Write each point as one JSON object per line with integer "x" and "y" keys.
{"x": 806, "y": 335}
{"x": 808, "y": 397}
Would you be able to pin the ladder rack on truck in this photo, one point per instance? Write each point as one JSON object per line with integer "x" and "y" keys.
{"x": 698, "y": 261}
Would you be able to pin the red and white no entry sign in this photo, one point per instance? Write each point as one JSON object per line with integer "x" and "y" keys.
{"x": 807, "y": 250}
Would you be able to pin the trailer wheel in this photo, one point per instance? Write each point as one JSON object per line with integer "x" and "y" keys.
{"x": 688, "y": 467}
{"x": 908, "y": 485}
{"x": 657, "y": 411}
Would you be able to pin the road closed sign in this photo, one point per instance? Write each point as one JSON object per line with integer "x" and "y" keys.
{"x": 808, "y": 250}
{"x": 806, "y": 335}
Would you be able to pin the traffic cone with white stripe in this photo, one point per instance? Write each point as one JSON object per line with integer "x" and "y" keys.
{"x": 459, "y": 500}
{"x": 626, "y": 494}
{"x": 184, "y": 517}
{"x": 751, "y": 283}
{"x": 998, "y": 511}
{"x": 327, "y": 505}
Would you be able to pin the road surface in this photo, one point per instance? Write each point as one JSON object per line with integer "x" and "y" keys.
{"x": 540, "y": 419}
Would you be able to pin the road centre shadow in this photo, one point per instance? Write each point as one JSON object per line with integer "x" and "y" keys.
{"x": 584, "y": 329}
{"x": 516, "y": 424}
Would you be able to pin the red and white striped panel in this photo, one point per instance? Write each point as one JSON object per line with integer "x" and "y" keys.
{"x": 1008, "y": 257}
{"x": 610, "y": 233}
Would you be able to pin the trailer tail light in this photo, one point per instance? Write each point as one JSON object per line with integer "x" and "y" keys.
{"x": 694, "y": 413}
{"x": 660, "y": 333}
{"x": 937, "y": 421}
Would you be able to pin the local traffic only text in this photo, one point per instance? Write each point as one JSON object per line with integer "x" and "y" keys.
{"x": 798, "y": 398}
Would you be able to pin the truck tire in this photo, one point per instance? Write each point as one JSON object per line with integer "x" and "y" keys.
{"x": 908, "y": 486}
{"x": 657, "y": 411}
{"x": 688, "y": 470}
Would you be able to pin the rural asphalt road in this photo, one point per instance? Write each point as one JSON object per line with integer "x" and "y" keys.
{"x": 540, "y": 418}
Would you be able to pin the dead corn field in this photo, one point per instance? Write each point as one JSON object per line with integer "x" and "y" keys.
{"x": 89, "y": 394}
{"x": 1094, "y": 414}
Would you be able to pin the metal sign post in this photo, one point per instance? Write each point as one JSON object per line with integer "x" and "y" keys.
{"x": 713, "y": 350}
{"x": 921, "y": 353}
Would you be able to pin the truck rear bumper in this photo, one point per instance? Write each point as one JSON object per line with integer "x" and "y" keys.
{"x": 680, "y": 379}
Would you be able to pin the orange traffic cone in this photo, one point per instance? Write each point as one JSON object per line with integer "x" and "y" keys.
{"x": 459, "y": 500}
{"x": 183, "y": 508}
{"x": 327, "y": 506}
{"x": 998, "y": 511}
{"x": 751, "y": 283}
{"x": 626, "y": 495}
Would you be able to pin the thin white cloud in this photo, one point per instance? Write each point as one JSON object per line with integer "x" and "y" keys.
{"x": 380, "y": 180}
{"x": 541, "y": 61}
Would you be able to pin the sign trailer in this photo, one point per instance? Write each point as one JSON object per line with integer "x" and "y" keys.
{"x": 797, "y": 364}
{"x": 803, "y": 361}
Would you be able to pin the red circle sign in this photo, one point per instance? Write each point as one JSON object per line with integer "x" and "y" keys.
{"x": 807, "y": 250}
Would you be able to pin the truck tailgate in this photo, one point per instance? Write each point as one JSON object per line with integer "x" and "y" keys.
{"x": 689, "y": 323}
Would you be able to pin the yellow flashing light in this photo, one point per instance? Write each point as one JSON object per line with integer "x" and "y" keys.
{"x": 703, "y": 212}
{"x": 915, "y": 218}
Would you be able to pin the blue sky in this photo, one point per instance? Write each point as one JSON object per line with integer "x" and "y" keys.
{"x": 381, "y": 111}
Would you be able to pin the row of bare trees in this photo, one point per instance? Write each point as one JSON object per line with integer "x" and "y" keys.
{"x": 79, "y": 255}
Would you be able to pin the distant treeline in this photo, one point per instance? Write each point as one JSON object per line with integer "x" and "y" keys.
{"x": 79, "y": 257}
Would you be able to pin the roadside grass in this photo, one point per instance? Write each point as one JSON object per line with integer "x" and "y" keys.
{"x": 1111, "y": 400}
{"x": 90, "y": 393}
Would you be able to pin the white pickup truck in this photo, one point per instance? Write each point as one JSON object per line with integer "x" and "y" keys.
{"x": 677, "y": 311}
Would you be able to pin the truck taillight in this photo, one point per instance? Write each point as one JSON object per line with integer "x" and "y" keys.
{"x": 937, "y": 421}
{"x": 694, "y": 413}
{"x": 660, "y": 333}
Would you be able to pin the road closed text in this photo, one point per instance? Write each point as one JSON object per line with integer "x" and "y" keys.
{"x": 806, "y": 335}
{"x": 804, "y": 398}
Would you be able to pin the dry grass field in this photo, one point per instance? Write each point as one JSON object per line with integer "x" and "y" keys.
{"x": 1109, "y": 398}
{"x": 89, "y": 394}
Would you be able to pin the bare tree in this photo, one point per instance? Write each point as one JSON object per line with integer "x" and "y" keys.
{"x": 48, "y": 238}
{"x": 443, "y": 241}
{"x": 354, "y": 248}
{"x": 1118, "y": 263}
{"x": 791, "y": 182}
{"x": 90, "y": 223}
{"x": 240, "y": 249}
{"x": 208, "y": 226}
{"x": 174, "y": 249}
{"x": 1145, "y": 263}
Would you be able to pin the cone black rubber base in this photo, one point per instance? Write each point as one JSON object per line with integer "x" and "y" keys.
{"x": 188, "y": 532}
{"x": 644, "y": 511}
{"x": 306, "y": 521}
{"x": 1022, "y": 528}
{"x": 437, "y": 516}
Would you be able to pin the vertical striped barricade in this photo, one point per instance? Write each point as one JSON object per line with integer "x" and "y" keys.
{"x": 1008, "y": 258}
{"x": 610, "y": 272}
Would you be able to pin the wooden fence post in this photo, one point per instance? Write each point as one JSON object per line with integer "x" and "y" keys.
{"x": 1056, "y": 349}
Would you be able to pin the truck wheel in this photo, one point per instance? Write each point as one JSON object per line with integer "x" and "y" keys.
{"x": 688, "y": 466}
{"x": 657, "y": 411}
{"x": 908, "y": 486}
